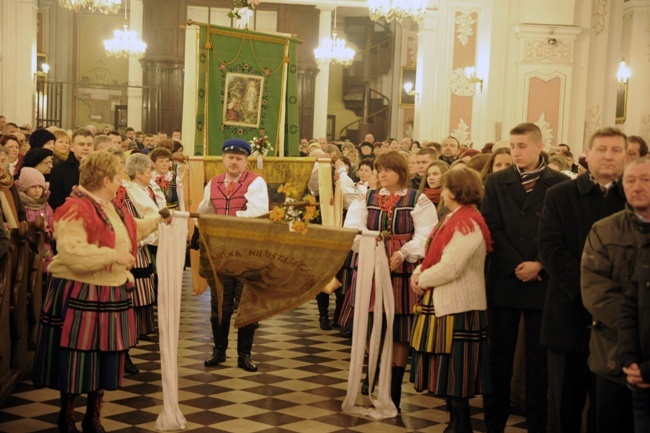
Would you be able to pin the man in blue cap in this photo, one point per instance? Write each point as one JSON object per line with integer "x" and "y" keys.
{"x": 237, "y": 192}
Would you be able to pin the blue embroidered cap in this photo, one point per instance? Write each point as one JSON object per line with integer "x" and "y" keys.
{"x": 236, "y": 145}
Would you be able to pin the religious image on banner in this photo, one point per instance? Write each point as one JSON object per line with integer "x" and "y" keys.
{"x": 243, "y": 100}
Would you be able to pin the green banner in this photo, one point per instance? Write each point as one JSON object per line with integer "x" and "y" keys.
{"x": 247, "y": 83}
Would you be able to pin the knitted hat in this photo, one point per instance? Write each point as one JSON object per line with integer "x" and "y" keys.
{"x": 236, "y": 145}
{"x": 35, "y": 155}
{"x": 30, "y": 177}
{"x": 40, "y": 137}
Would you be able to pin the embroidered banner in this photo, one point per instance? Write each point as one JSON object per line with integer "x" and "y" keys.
{"x": 247, "y": 88}
{"x": 279, "y": 269}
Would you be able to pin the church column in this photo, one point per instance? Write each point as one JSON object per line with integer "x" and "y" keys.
{"x": 635, "y": 51}
{"x": 134, "y": 94}
{"x": 323, "y": 77}
{"x": 427, "y": 119}
{"x": 18, "y": 60}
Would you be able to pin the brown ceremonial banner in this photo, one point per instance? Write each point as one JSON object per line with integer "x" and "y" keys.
{"x": 279, "y": 269}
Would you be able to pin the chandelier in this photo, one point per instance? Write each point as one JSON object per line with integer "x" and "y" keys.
{"x": 103, "y": 6}
{"x": 333, "y": 50}
{"x": 397, "y": 10}
{"x": 125, "y": 42}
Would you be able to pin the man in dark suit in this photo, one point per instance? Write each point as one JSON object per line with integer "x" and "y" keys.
{"x": 516, "y": 281}
{"x": 570, "y": 210}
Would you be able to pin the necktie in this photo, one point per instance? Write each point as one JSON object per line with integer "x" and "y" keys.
{"x": 230, "y": 188}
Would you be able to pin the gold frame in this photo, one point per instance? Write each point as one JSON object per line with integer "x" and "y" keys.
{"x": 407, "y": 74}
{"x": 621, "y": 103}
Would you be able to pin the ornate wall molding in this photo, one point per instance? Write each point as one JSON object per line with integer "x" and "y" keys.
{"x": 547, "y": 132}
{"x": 460, "y": 85}
{"x": 645, "y": 127}
{"x": 593, "y": 122}
{"x": 464, "y": 26}
{"x": 626, "y": 36}
{"x": 599, "y": 13}
{"x": 540, "y": 50}
{"x": 462, "y": 133}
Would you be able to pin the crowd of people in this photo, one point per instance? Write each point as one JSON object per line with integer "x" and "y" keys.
{"x": 479, "y": 243}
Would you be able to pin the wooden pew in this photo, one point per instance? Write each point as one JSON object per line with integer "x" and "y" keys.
{"x": 21, "y": 297}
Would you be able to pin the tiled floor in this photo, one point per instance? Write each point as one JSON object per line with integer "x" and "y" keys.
{"x": 299, "y": 387}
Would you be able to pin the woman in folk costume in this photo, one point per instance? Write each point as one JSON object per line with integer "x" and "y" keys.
{"x": 137, "y": 198}
{"x": 451, "y": 357}
{"x": 87, "y": 322}
{"x": 164, "y": 179}
{"x": 408, "y": 217}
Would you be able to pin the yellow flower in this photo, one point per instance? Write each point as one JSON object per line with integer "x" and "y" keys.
{"x": 277, "y": 214}
{"x": 299, "y": 227}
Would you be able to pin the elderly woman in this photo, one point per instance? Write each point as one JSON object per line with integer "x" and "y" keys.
{"x": 12, "y": 208}
{"x": 408, "y": 217}
{"x": 87, "y": 323}
{"x": 450, "y": 334}
{"x": 137, "y": 198}
{"x": 41, "y": 159}
{"x": 10, "y": 142}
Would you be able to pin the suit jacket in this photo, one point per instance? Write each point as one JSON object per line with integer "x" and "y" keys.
{"x": 570, "y": 209}
{"x": 513, "y": 218}
{"x": 63, "y": 177}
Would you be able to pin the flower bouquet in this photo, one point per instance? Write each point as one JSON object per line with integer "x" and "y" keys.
{"x": 297, "y": 212}
{"x": 260, "y": 147}
{"x": 242, "y": 10}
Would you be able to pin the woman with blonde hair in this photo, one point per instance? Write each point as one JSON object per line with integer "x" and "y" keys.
{"x": 87, "y": 322}
{"x": 61, "y": 146}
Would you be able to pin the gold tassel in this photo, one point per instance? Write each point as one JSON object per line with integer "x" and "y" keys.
{"x": 208, "y": 45}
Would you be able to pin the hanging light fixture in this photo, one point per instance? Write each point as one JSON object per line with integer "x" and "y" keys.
{"x": 103, "y": 6}
{"x": 125, "y": 42}
{"x": 333, "y": 50}
{"x": 397, "y": 10}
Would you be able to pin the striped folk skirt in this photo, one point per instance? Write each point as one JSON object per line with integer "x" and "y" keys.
{"x": 144, "y": 293}
{"x": 84, "y": 333}
{"x": 451, "y": 354}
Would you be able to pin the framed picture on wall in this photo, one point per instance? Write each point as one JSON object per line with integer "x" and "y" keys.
{"x": 242, "y": 104}
{"x": 621, "y": 103}
{"x": 407, "y": 75}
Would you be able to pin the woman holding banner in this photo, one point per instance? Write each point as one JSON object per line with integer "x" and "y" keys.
{"x": 406, "y": 218}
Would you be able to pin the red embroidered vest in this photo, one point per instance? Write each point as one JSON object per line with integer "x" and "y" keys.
{"x": 96, "y": 230}
{"x": 225, "y": 205}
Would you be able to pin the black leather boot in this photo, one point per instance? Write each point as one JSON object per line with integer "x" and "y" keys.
{"x": 451, "y": 427}
{"x": 129, "y": 366}
{"x": 366, "y": 382}
{"x": 323, "y": 300}
{"x": 66, "y": 415}
{"x": 460, "y": 408}
{"x": 220, "y": 336}
{"x": 92, "y": 422}
{"x": 245, "y": 337}
{"x": 396, "y": 386}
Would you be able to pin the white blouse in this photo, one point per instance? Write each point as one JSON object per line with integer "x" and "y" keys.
{"x": 424, "y": 217}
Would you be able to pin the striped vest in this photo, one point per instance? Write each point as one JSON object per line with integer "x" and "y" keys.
{"x": 228, "y": 205}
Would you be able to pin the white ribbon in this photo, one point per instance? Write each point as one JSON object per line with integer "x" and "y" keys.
{"x": 372, "y": 261}
{"x": 169, "y": 263}
{"x": 245, "y": 15}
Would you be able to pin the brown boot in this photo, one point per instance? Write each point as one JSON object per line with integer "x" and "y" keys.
{"x": 92, "y": 422}
{"x": 66, "y": 415}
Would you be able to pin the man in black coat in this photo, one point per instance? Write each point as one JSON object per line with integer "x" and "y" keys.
{"x": 570, "y": 210}
{"x": 65, "y": 175}
{"x": 516, "y": 281}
